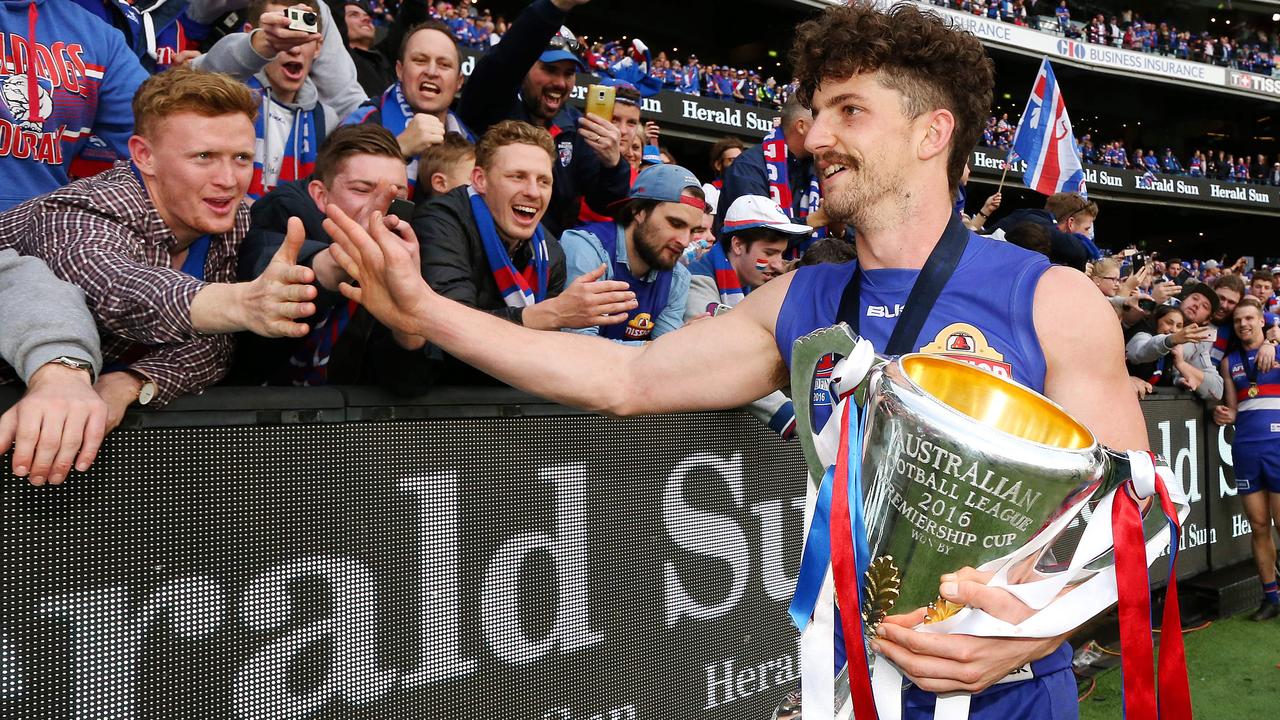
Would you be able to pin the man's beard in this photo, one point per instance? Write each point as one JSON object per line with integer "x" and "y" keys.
{"x": 858, "y": 203}
{"x": 647, "y": 252}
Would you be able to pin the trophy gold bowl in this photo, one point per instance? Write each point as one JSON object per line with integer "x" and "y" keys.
{"x": 960, "y": 467}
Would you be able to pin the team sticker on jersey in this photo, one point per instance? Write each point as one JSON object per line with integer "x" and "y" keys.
{"x": 964, "y": 342}
{"x": 639, "y": 327}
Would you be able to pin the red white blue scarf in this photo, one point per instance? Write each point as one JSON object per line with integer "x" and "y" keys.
{"x": 299, "y": 157}
{"x": 731, "y": 290}
{"x": 396, "y": 112}
{"x": 775, "y": 160}
{"x": 518, "y": 289}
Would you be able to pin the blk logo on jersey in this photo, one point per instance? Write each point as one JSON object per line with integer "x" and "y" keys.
{"x": 566, "y": 152}
{"x": 639, "y": 327}
{"x": 884, "y": 311}
{"x": 966, "y": 343}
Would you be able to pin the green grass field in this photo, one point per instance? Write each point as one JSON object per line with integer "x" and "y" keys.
{"x": 1232, "y": 665}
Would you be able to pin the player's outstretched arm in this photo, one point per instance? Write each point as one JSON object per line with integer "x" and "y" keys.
{"x": 719, "y": 363}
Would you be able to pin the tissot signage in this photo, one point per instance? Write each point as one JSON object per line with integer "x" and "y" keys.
{"x": 1118, "y": 181}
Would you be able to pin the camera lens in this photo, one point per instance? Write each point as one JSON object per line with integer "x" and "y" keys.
{"x": 309, "y": 18}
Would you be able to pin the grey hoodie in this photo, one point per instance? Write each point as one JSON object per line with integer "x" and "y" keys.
{"x": 43, "y": 317}
{"x": 334, "y": 71}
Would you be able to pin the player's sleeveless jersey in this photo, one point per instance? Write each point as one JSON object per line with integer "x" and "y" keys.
{"x": 982, "y": 317}
{"x": 1257, "y": 418}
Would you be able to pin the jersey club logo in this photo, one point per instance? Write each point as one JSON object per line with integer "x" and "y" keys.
{"x": 966, "y": 343}
{"x": 639, "y": 327}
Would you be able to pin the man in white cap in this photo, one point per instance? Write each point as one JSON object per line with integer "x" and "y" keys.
{"x": 753, "y": 240}
{"x": 755, "y": 235}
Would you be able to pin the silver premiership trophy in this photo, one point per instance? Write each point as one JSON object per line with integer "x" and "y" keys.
{"x": 960, "y": 467}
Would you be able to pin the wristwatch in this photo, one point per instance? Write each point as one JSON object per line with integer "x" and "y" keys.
{"x": 147, "y": 390}
{"x": 76, "y": 363}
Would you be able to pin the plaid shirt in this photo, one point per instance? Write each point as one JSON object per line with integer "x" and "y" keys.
{"x": 104, "y": 235}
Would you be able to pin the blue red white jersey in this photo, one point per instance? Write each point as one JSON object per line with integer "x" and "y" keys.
{"x": 1257, "y": 417}
{"x": 983, "y": 316}
{"x": 83, "y": 86}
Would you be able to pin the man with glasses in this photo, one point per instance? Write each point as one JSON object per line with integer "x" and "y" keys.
{"x": 529, "y": 77}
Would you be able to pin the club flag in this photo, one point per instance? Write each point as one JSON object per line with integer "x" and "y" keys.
{"x": 1045, "y": 141}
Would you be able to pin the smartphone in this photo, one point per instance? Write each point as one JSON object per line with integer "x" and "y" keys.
{"x": 600, "y": 100}
{"x": 1138, "y": 261}
{"x": 402, "y": 209}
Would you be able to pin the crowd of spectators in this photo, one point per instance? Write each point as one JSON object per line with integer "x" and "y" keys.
{"x": 1219, "y": 165}
{"x": 1242, "y": 49}
{"x": 478, "y": 29}
{"x": 183, "y": 238}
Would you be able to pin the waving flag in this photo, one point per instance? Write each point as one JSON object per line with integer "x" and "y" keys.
{"x": 1045, "y": 141}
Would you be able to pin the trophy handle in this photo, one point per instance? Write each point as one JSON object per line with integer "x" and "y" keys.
{"x": 808, "y": 351}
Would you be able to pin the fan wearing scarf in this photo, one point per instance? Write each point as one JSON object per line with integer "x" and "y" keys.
{"x": 416, "y": 106}
{"x": 750, "y": 253}
{"x": 661, "y": 216}
{"x": 483, "y": 245}
{"x": 529, "y": 76}
{"x": 779, "y": 168}
{"x": 354, "y": 165}
{"x": 291, "y": 120}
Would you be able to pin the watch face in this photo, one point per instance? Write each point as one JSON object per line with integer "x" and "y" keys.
{"x": 146, "y": 392}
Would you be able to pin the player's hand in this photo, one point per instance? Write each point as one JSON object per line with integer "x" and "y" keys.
{"x": 420, "y": 133}
{"x": 941, "y": 663}
{"x": 60, "y": 420}
{"x": 1224, "y": 415}
{"x": 384, "y": 263}
{"x": 603, "y": 137}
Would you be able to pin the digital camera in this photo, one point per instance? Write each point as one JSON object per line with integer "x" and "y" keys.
{"x": 302, "y": 20}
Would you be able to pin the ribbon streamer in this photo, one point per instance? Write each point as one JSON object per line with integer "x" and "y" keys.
{"x": 849, "y": 561}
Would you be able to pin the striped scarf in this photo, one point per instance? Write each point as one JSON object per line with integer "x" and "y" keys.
{"x": 775, "y": 160}
{"x": 396, "y": 113}
{"x": 731, "y": 290}
{"x": 518, "y": 289}
{"x": 299, "y": 157}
